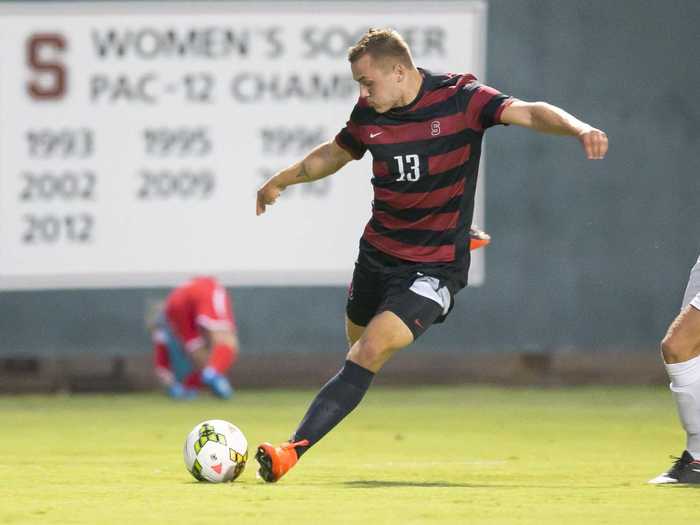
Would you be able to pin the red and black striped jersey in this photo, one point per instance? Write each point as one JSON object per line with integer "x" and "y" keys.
{"x": 425, "y": 163}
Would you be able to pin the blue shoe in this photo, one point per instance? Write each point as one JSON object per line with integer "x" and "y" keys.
{"x": 217, "y": 382}
{"x": 179, "y": 391}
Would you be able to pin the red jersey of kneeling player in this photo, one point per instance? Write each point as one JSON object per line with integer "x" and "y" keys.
{"x": 195, "y": 339}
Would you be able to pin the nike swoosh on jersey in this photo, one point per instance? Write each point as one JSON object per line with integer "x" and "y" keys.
{"x": 372, "y": 135}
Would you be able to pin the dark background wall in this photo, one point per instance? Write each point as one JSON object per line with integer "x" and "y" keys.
{"x": 586, "y": 255}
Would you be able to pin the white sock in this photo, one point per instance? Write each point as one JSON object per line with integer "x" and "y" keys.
{"x": 685, "y": 386}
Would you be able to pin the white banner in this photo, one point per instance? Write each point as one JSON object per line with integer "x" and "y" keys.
{"x": 133, "y": 137}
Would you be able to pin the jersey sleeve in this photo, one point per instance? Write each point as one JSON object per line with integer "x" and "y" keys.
{"x": 349, "y": 137}
{"x": 484, "y": 105}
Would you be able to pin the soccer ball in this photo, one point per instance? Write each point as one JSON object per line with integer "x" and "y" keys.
{"x": 216, "y": 451}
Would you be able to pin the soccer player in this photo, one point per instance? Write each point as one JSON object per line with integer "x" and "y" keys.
{"x": 424, "y": 131}
{"x": 680, "y": 349}
{"x": 194, "y": 339}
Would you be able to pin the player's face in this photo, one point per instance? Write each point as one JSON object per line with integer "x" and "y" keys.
{"x": 379, "y": 83}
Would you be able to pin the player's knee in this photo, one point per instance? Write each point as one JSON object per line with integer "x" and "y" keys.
{"x": 676, "y": 350}
{"x": 369, "y": 352}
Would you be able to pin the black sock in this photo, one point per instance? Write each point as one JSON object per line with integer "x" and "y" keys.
{"x": 334, "y": 401}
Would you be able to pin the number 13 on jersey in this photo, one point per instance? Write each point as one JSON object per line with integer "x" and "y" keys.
{"x": 408, "y": 167}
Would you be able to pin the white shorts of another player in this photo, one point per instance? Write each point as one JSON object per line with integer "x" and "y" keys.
{"x": 692, "y": 291}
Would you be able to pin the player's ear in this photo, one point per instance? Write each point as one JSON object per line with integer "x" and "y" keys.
{"x": 400, "y": 71}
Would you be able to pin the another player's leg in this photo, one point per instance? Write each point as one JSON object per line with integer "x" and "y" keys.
{"x": 178, "y": 374}
{"x": 681, "y": 353}
{"x": 221, "y": 357}
{"x": 384, "y": 335}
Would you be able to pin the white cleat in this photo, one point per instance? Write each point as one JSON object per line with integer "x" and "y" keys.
{"x": 662, "y": 479}
{"x": 685, "y": 469}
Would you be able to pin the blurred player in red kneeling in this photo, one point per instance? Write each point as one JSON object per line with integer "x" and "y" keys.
{"x": 194, "y": 339}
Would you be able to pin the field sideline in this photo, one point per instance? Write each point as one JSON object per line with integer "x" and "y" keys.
{"x": 426, "y": 455}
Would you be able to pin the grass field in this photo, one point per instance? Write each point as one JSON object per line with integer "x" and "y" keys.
{"x": 419, "y": 455}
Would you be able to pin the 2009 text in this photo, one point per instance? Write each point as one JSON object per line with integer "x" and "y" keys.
{"x": 183, "y": 184}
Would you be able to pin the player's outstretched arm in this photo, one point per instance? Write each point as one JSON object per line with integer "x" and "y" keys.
{"x": 547, "y": 118}
{"x": 322, "y": 161}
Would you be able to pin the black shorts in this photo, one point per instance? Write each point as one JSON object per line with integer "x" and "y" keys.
{"x": 419, "y": 294}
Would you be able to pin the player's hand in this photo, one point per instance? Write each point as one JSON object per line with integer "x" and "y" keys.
{"x": 267, "y": 194}
{"x": 595, "y": 143}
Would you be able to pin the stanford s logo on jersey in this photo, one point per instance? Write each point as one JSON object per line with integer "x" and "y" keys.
{"x": 435, "y": 128}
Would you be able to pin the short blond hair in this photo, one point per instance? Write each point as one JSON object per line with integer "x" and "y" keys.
{"x": 381, "y": 44}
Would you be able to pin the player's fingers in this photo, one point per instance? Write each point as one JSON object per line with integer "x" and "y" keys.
{"x": 259, "y": 204}
{"x": 595, "y": 144}
{"x": 600, "y": 144}
{"x": 592, "y": 146}
{"x": 595, "y": 147}
{"x": 588, "y": 147}
{"x": 603, "y": 145}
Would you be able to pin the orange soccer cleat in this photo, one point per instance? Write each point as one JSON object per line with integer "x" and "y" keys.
{"x": 275, "y": 462}
{"x": 478, "y": 238}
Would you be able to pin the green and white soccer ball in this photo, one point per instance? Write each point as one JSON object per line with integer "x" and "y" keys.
{"x": 216, "y": 451}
